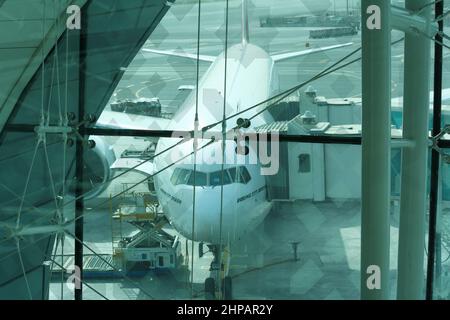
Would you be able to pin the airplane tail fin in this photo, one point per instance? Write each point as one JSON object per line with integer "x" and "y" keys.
{"x": 245, "y": 30}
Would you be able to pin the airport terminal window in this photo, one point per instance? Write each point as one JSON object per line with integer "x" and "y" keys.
{"x": 304, "y": 163}
{"x": 163, "y": 90}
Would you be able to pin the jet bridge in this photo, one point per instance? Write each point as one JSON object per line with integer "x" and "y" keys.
{"x": 311, "y": 171}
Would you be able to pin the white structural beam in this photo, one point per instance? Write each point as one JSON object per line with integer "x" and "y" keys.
{"x": 376, "y": 149}
{"x": 414, "y": 160}
{"x": 409, "y": 21}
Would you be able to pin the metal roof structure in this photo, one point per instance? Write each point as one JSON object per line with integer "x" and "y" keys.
{"x": 49, "y": 71}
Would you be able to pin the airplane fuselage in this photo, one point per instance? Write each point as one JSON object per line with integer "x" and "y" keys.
{"x": 230, "y": 193}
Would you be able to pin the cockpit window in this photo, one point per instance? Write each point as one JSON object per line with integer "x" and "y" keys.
{"x": 174, "y": 176}
{"x": 235, "y": 175}
{"x": 245, "y": 174}
{"x": 202, "y": 179}
{"x": 180, "y": 176}
{"x": 215, "y": 178}
{"x": 240, "y": 175}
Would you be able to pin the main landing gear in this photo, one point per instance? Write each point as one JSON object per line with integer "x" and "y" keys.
{"x": 219, "y": 285}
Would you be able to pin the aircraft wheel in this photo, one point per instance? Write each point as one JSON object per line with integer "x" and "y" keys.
{"x": 227, "y": 288}
{"x": 210, "y": 289}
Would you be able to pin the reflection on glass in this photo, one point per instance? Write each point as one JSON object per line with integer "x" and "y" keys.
{"x": 305, "y": 246}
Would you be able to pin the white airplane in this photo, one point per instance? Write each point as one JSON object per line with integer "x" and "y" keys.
{"x": 231, "y": 195}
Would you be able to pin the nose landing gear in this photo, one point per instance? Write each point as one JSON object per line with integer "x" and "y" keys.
{"x": 210, "y": 289}
{"x": 227, "y": 288}
{"x": 219, "y": 285}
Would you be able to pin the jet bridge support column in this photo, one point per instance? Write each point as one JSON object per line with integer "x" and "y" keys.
{"x": 414, "y": 160}
{"x": 376, "y": 135}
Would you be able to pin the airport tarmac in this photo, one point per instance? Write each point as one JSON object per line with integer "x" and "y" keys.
{"x": 262, "y": 264}
{"x": 152, "y": 75}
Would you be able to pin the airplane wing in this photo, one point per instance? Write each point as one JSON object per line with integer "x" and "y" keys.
{"x": 290, "y": 55}
{"x": 193, "y": 56}
{"x": 121, "y": 120}
{"x": 139, "y": 165}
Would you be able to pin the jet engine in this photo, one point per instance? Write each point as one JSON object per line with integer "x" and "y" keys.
{"x": 97, "y": 159}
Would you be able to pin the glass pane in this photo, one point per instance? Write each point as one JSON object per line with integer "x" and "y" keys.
{"x": 442, "y": 253}
{"x": 281, "y": 219}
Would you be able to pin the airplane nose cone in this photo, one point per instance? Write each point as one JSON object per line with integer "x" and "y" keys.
{"x": 215, "y": 220}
